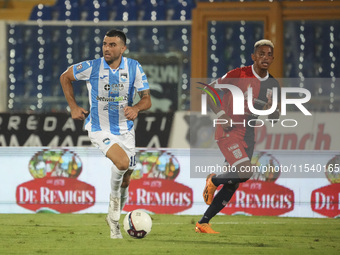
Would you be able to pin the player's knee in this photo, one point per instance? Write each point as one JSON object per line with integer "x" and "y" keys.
{"x": 123, "y": 164}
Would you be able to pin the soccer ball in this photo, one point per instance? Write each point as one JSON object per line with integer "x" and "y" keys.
{"x": 137, "y": 224}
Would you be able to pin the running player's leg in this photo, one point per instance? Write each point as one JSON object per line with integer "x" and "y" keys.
{"x": 221, "y": 199}
{"x": 119, "y": 167}
{"x": 234, "y": 152}
{"x": 118, "y": 149}
{"x": 122, "y": 154}
{"x": 125, "y": 188}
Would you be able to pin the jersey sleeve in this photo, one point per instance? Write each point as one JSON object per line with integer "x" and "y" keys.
{"x": 82, "y": 71}
{"x": 141, "y": 82}
{"x": 229, "y": 76}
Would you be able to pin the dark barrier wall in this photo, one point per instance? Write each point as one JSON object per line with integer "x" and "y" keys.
{"x": 60, "y": 130}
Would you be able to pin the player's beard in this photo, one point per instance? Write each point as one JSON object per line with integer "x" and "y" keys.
{"x": 109, "y": 62}
{"x": 111, "y": 59}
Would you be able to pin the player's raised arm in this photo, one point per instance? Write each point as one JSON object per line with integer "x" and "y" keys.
{"x": 131, "y": 112}
{"x": 66, "y": 80}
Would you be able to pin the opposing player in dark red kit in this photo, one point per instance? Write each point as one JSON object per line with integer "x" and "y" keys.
{"x": 236, "y": 138}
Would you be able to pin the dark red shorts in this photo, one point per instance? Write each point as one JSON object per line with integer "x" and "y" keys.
{"x": 233, "y": 150}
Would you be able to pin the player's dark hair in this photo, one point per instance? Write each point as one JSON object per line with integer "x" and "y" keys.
{"x": 117, "y": 33}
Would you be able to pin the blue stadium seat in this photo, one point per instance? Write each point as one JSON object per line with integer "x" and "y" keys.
{"x": 67, "y": 11}
{"x": 64, "y": 2}
{"x": 132, "y": 35}
{"x": 152, "y": 11}
{"x": 182, "y": 10}
{"x": 95, "y": 10}
{"x": 125, "y": 10}
{"x": 41, "y": 12}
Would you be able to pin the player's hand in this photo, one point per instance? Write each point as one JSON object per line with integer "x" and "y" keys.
{"x": 268, "y": 105}
{"x": 78, "y": 113}
{"x": 131, "y": 112}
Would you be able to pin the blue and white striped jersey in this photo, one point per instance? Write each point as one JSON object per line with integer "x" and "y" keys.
{"x": 109, "y": 92}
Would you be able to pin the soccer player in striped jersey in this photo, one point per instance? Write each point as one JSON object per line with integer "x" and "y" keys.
{"x": 237, "y": 141}
{"x": 112, "y": 81}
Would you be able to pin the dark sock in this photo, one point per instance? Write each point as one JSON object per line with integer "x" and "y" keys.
{"x": 230, "y": 178}
{"x": 220, "y": 201}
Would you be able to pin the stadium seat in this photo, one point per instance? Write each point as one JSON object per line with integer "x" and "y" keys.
{"x": 123, "y": 10}
{"x": 64, "y": 2}
{"x": 93, "y": 10}
{"x": 41, "y": 12}
{"x": 150, "y": 10}
{"x": 67, "y": 11}
{"x": 182, "y": 10}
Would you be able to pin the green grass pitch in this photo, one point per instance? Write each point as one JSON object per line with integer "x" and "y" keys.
{"x": 88, "y": 234}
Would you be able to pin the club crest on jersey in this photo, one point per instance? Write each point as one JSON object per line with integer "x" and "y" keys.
{"x": 123, "y": 77}
{"x": 106, "y": 141}
{"x": 237, "y": 153}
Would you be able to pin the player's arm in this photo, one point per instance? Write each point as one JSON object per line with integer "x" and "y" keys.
{"x": 131, "y": 112}
{"x": 66, "y": 80}
{"x": 276, "y": 114}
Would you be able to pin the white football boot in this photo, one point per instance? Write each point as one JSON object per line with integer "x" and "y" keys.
{"x": 112, "y": 218}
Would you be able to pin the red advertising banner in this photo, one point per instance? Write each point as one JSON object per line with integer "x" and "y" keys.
{"x": 159, "y": 196}
{"x": 261, "y": 198}
{"x": 326, "y": 200}
{"x": 63, "y": 195}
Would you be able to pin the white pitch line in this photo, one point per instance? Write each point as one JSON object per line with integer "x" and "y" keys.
{"x": 238, "y": 223}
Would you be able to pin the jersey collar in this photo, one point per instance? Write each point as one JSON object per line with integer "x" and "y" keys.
{"x": 257, "y": 76}
{"x": 121, "y": 66}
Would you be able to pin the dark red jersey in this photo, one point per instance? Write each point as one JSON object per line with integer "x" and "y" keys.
{"x": 262, "y": 88}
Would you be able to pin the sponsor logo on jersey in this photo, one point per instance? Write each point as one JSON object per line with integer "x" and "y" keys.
{"x": 113, "y": 107}
{"x": 112, "y": 99}
{"x": 114, "y": 88}
{"x": 233, "y": 147}
{"x": 80, "y": 66}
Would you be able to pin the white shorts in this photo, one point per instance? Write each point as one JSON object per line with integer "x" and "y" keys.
{"x": 104, "y": 140}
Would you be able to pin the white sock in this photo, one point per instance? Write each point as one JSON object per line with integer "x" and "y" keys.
{"x": 116, "y": 181}
{"x": 124, "y": 196}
